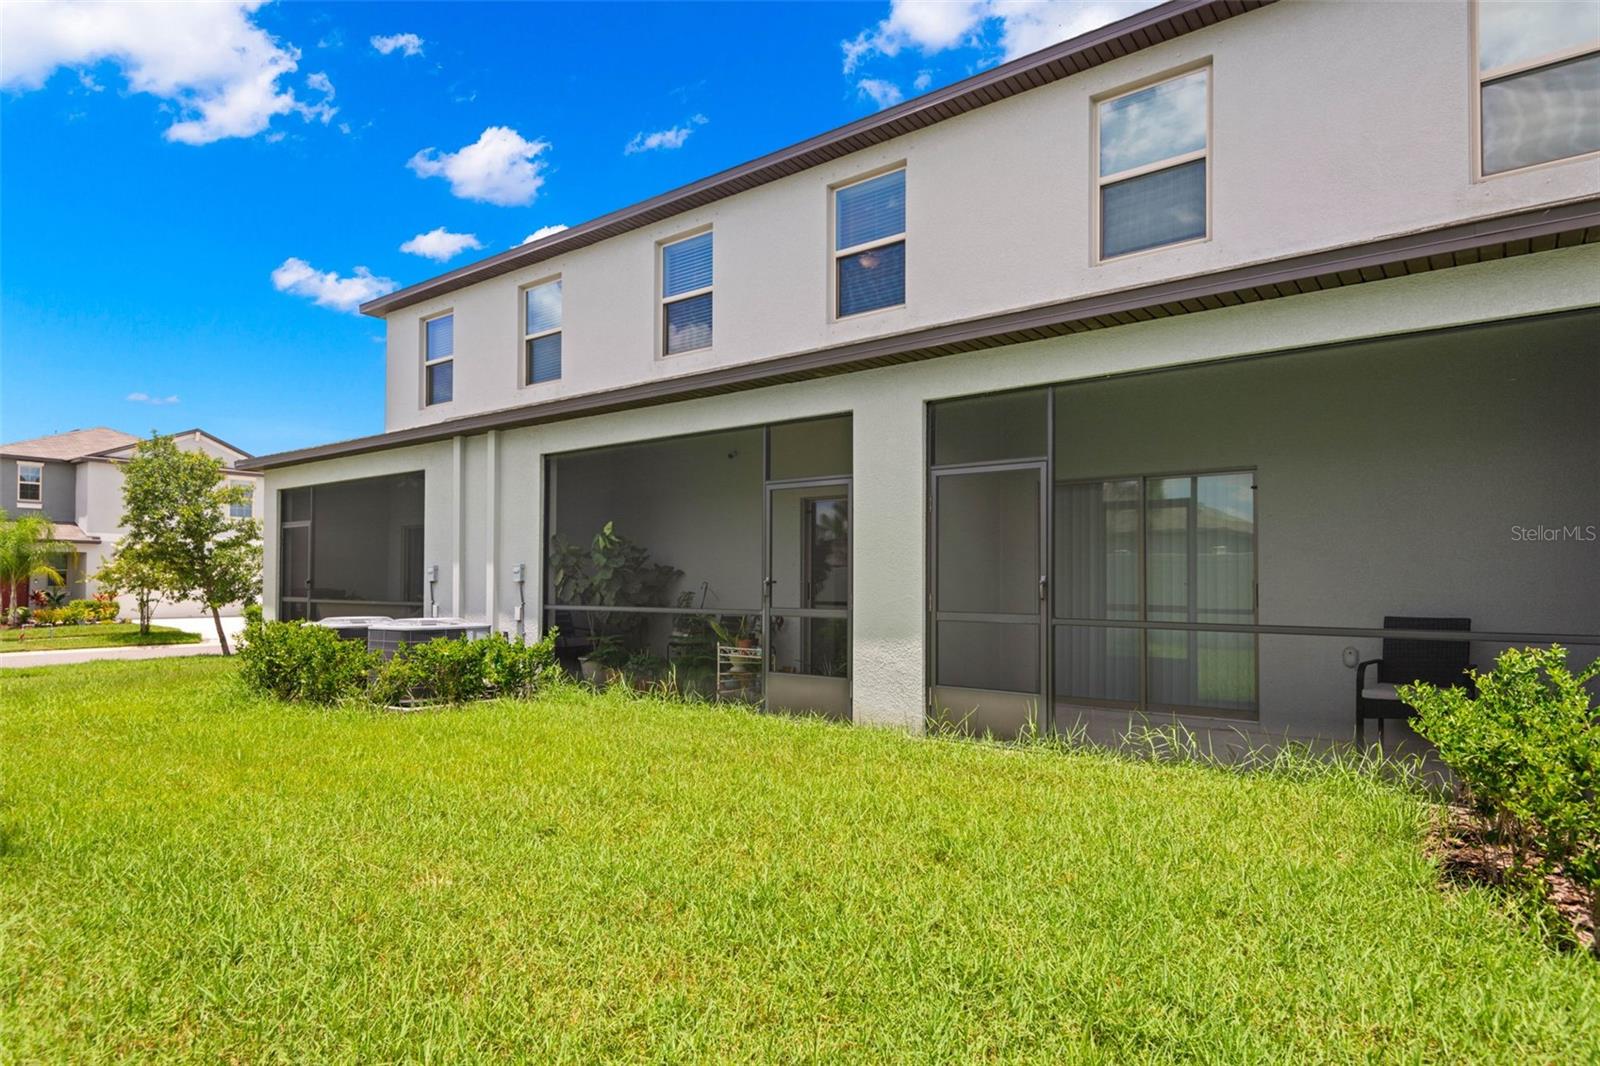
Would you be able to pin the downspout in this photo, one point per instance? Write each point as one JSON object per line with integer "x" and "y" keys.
{"x": 458, "y": 565}
{"x": 491, "y": 554}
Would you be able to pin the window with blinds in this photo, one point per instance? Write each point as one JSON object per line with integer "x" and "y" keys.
{"x": 1152, "y": 154}
{"x": 438, "y": 359}
{"x": 686, "y": 294}
{"x": 869, "y": 244}
{"x": 1538, "y": 82}
{"x": 541, "y": 333}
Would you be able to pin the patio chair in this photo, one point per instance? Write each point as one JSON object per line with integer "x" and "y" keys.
{"x": 1438, "y": 662}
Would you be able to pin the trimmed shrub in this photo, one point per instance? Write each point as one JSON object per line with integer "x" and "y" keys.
{"x": 1526, "y": 750}
{"x": 45, "y": 616}
{"x": 458, "y": 671}
{"x": 301, "y": 661}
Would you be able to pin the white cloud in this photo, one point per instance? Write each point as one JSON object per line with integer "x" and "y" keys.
{"x": 327, "y": 289}
{"x": 319, "y": 82}
{"x": 501, "y": 167}
{"x": 663, "y": 139}
{"x": 543, "y": 232}
{"x": 156, "y": 401}
{"x": 883, "y": 93}
{"x": 932, "y": 26}
{"x": 408, "y": 44}
{"x": 217, "y": 69}
{"x": 440, "y": 244}
{"x": 923, "y": 80}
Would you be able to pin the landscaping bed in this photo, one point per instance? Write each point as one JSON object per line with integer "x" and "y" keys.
{"x": 194, "y": 873}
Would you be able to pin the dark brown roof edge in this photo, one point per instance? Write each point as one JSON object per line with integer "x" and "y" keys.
{"x": 1446, "y": 246}
{"x": 1123, "y": 37}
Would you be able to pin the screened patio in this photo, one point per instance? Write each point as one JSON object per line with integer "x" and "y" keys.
{"x": 1222, "y": 544}
{"x": 716, "y": 565}
{"x": 352, "y": 548}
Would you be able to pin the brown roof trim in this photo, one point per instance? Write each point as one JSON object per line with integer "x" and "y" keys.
{"x": 1123, "y": 37}
{"x": 1434, "y": 249}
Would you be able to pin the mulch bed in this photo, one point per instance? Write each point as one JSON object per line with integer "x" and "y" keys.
{"x": 1468, "y": 854}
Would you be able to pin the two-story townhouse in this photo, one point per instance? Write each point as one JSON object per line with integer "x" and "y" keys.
{"x": 74, "y": 479}
{"x": 1159, "y": 373}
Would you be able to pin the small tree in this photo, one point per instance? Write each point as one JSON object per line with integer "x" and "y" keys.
{"x": 176, "y": 513}
{"x": 1526, "y": 750}
{"x": 27, "y": 546}
{"x": 136, "y": 573}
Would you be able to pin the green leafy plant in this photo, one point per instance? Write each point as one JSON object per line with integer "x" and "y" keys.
{"x": 458, "y": 671}
{"x": 303, "y": 662}
{"x": 613, "y": 571}
{"x": 176, "y": 511}
{"x": 136, "y": 572}
{"x": 1526, "y": 750}
{"x": 28, "y": 549}
{"x": 515, "y": 668}
{"x": 746, "y": 630}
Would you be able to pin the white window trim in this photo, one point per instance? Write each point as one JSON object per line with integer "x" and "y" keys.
{"x": 525, "y": 362}
{"x": 1099, "y": 183}
{"x": 866, "y": 246}
{"x": 422, "y": 392}
{"x": 30, "y": 504}
{"x": 1480, "y": 78}
{"x": 663, "y": 301}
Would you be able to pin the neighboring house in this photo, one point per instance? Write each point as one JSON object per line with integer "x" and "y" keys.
{"x": 1145, "y": 375}
{"x": 75, "y": 480}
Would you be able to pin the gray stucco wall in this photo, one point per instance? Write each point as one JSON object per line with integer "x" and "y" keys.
{"x": 59, "y": 492}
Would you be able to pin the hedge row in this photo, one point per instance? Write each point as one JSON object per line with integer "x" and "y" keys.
{"x": 308, "y": 663}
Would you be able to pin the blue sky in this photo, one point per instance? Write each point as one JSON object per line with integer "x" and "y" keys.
{"x": 191, "y": 199}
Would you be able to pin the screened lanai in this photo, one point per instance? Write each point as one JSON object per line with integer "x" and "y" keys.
{"x": 352, "y": 548}
{"x": 1227, "y": 543}
{"x": 716, "y": 564}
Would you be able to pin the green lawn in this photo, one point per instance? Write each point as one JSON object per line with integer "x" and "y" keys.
{"x": 188, "y": 873}
{"x": 102, "y": 635}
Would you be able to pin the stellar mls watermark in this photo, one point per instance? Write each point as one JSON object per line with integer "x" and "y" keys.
{"x": 1553, "y": 534}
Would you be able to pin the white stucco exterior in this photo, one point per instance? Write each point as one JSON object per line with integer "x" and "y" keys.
{"x": 483, "y": 494}
{"x": 1332, "y": 124}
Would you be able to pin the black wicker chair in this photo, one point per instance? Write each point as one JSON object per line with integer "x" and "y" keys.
{"x": 1438, "y": 662}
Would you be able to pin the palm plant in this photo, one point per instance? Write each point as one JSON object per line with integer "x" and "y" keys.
{"x": 27, "y": 546}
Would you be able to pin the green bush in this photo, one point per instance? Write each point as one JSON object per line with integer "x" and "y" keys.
{"x": 1526, "y": 750}
{"x": 300, "y": 661}
{"x": 45, "y": 616}
{"x": 458, "y": 671}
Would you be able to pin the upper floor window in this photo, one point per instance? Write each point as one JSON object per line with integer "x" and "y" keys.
{"x": 869, "y": 243}
{"x": 541, "y": 333}
{"x": 30, "y": 484}
{"x": 246, "y": 507}
{"x": 438, "y": 359}
{"x": 1152, "y": 151}
{"x": 686, "y": 294}
{"x": 1538, "y": 82}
